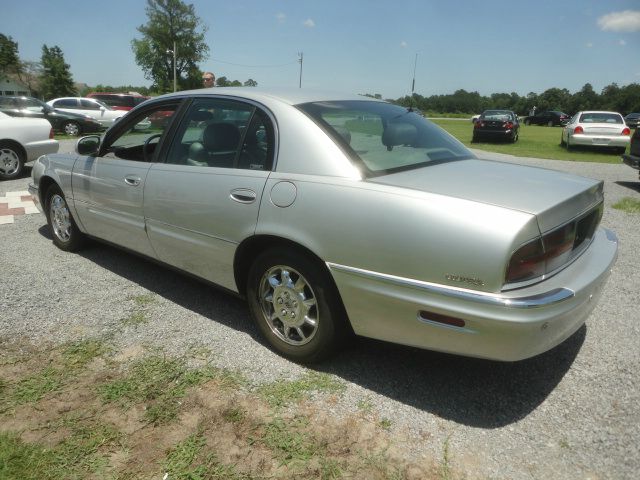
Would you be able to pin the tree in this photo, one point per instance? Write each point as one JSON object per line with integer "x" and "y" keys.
{"x": 251, "y": 83}
{"x": 171, "y": 22}
{"x": 56, "y": 78}
{"x": 9, "y": 59}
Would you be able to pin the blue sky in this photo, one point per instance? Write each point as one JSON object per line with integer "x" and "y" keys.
{"x": 356, "y": 45}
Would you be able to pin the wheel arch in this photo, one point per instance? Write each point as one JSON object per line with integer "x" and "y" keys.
{"x": 16, "y": 145}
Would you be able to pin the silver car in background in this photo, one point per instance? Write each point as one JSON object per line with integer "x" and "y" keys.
{"x": 335, "y": 215}
{"x": 596, "y": 129}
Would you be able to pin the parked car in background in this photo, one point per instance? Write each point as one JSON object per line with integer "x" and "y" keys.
{"x": 119, "y": 101}
{"x": 596, "y": 129}
{"x": 496, "y": 125}
{"x": 23, "y": 140}
{"x": 633, "y": 158}
{"x": 335, "y": 214}
{"x": 91, "y": 107}
{"x": 548, "y": 117}
{"x": 632, "y": 120}
{"x": 72, "y": 124}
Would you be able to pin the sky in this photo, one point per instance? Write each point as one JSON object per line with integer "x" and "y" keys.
{"x": 357, "y": 46}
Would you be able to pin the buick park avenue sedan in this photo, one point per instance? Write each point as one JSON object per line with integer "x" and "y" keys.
{"x": 335, "y": 215}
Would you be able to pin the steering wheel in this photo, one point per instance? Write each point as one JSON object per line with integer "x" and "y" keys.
{"x": 146, "y": 145}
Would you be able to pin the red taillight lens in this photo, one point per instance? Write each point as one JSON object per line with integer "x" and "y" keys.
{"x": 542, "y": 255}
{"x": 478, "y": 124}
{"x": 578, "y": 129}
{"x": 626, "y": 131}
{"x": 51, "y": 134}
{"x": 508, "y": 125}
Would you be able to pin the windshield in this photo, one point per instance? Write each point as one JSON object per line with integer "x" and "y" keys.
{"x": 385, "y": 138}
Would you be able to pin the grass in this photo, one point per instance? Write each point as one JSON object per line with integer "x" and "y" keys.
{"x": 155, "y": 416}
{"x": 628, "y": 204}
{"x": 282, "y": 392}
{"x": 534, "y": 141}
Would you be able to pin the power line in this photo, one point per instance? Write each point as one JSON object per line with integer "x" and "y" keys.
{"x": 256, "y": 66}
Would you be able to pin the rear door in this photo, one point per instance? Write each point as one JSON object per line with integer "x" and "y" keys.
{"x": 108, "y": 189}
{"x": 204, "y": 199}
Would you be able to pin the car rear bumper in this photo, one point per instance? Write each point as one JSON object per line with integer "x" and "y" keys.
{"x": 508, "y": 326}
{"x": 493, "y": 133}
{"x": 600, "y": 140}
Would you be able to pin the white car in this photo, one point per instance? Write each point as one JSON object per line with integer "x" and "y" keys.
{"x": 23, "y": 140}
{"x": 596, "y": 129}
{"x": 96, "y": 109}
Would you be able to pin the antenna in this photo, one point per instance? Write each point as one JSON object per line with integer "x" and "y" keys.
{"x": 413, "y": 84}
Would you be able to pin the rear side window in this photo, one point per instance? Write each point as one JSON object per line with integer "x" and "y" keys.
{"x": 66, "y": 103}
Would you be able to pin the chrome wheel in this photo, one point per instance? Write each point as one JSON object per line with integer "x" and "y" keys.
{"x": 9, "y": 162}
{"x": 72, "y": 128}
{"x": 288, "y": 305}
{"x": 60, "y": 218}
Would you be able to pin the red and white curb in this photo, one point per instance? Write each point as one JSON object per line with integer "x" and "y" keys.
{"x": 16, "y": 203}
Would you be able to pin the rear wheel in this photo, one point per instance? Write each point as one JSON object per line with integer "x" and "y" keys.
{"x": 550, "y": 123}
{"x": 527, "y": 122}
{"x": 295, "y": 305}
{"x": 71, "y": 128}
{"x": 562, "y": 142}
{"x": 568, "y": 144}
{"x": 514, "y": 138}
{"x": 65, "y": 232}
{"x": 11, "y": 161}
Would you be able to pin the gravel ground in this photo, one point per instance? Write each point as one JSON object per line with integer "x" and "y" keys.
{"x": 571, "y": 413}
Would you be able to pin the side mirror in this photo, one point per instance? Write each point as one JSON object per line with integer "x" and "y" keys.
{"x": 102, "y": 109}
{"x": 88, "y": 145}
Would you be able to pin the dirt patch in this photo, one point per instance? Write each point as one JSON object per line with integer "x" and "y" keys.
{"x": 222, "y": 429}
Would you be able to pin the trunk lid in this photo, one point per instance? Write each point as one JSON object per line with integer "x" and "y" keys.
{"x": 553, "y": 197}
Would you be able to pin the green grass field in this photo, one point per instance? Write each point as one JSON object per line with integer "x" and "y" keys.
{"x": 534, "y": 141}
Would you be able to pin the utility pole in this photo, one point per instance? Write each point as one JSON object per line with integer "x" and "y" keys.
{"x": 175, "y": 83}
{"x": 413, "y": 84}
{"x": 300, "y": 58}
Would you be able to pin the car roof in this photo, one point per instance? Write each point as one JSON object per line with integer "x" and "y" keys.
{"x": 291, "y": 96}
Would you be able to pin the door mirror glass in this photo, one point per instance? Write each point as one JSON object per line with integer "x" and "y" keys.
{"x": 88, "y": 145}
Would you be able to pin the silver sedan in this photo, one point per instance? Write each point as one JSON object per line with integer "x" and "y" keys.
{"x": 335, "y": 215}
{"x": 596, "y": 129}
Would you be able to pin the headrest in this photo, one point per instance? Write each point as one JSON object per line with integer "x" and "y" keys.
{"x": 399, "y": 134}
{"x": 221, "y": 136}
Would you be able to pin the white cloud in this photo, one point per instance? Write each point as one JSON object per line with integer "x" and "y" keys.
{"x": 403, "y": 44}
{"x": 627, "y": 21}
{"x": 622, "y": 43}
{"x": 281, "y": 17}
{"x": 589, "y": 45}
{"x": 309, "y": 23}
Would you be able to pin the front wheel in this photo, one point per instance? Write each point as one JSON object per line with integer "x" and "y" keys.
{"x": 295, "y": 305}
{"x": 71, "y": 128}
{"x": 66, "y": 234}
{"x": 11, "y": 161}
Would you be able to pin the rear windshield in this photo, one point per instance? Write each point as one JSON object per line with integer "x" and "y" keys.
{"x": 597, "y": 117}
{"x": 501, "y": 115}
{"x": 382, "y": 138}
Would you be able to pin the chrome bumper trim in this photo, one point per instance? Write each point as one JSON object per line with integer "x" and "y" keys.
{"x": 534, "y": 301}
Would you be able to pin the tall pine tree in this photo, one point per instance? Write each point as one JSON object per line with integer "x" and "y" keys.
{"x": 9, "y": 59}
{"x": 56, "y": 77}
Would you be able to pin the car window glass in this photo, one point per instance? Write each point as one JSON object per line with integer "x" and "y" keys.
{"x": 211, "y": 133}
{"x": 385, "y": 138}
{"x": 601, "y": 117}
{"x": 66, "y": 103}
{"x": 89, "y": 105}
{"x": 129, "y": 144}
{"x": 33, "y": 105}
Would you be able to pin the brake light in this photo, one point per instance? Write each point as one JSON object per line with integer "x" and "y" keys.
{"x": 626, "y": 131}
{"x": 51, "y": 134}
{"x": 542, "y": 255}
{"x": 478, "y": 124}
{"x": 508, "y": 125}
{"x": 578, "y": 129}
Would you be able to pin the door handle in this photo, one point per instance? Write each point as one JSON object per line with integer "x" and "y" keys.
{"x": 132, "y": 180}
{"x": 243, "y": 195}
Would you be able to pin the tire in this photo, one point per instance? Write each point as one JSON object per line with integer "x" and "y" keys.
{"x": 562, "y": 142}
{"x": 550, "y": 123}
{"x": 296, "y": 306}
{"x": 12, "y": 161}
{"x": 569, "y": 147}
{"x": 527, "y": 122}
{"x": 71, "y": 128}
{"x": 514, "y": 139}
{"x": 66, "y": 234}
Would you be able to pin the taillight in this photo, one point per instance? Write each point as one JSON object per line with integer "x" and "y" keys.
{"x": 51, "y": 134}
{"x": 508, "y": 125}
{"x": 626, "y": 131}
{"x": 578, "y": 129}
{"x": 542, "y": 255}
{"x": 478, "y": 124}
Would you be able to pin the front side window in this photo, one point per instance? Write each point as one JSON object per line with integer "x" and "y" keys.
{"x": 223, "y": 134}
{"x": 90, "y": 104}
{"x": 138, "y": 138}
{"x": 382, "y": 138}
